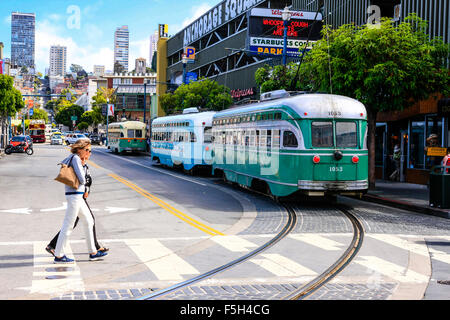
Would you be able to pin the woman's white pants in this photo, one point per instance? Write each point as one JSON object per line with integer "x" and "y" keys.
{"x": 76, "y": 206}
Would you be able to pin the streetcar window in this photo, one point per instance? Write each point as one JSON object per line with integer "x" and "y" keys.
{"x": 208, "y": 135}
{"x": 322, "y": 134}
{"x": 276, "y": 139}
{"x": 346, "y": 136}
{"x": 269, "y": 139}
{"x": 138, "y": 134}
{"x": 193, "y": 137}
{"x": 289, "y": 140}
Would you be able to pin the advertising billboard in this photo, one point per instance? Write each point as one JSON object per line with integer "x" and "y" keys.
{"x": 266, "y": 31}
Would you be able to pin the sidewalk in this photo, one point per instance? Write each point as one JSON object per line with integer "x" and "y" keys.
{"x": 408, "y": 196}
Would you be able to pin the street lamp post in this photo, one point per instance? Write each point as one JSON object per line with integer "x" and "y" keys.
{"x": 184, "y": 60}
{"x": 286, "y": 16}
{"x": 145, "y": 99}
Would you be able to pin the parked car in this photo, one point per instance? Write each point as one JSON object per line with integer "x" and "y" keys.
{"x": 56, "y": 139}
{"x": 96, "y": 139}
{"x": 74, "y": 137}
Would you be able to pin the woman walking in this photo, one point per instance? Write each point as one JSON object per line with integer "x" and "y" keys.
{"x": 77, "y": 206}
{"x": 52, "y": 245}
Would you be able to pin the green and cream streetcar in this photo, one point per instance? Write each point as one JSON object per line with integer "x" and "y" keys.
{"x": 314, "y": 144}
{"x": 127, "y": 136}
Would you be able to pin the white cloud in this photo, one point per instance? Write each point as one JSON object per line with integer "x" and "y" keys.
{"x": 138, "y": 49}
{"x": 48, "y": 34}
{"x": 196, "y": 12}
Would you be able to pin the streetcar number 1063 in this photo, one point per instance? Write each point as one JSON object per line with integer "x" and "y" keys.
{"x": 336, "y": 169}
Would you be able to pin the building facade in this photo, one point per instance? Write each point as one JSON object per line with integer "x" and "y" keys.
{"x": 131, "y": 92}
{"x": 99, "y": 71}
{"x": 23, "y": 39}
{"x": 421, "y": 127}
{"x": 122, "y": 46}
{"x": 58, "y": 61}
{"x": 221, "y": 41}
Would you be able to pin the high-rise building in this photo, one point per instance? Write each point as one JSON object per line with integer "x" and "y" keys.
{"x": 121, "y": 46}
{"x": 23, "y": 39}
{"x": 153, "y": 47}
{"x": 58, "y": 60}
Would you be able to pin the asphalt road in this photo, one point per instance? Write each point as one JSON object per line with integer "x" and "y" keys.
{"x": 164, "y": 227}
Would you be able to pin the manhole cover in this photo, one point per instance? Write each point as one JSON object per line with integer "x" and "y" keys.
{"x": 55, "y": 277}
{"x": 59, "y": 269}
{"x": 447, "y": 282}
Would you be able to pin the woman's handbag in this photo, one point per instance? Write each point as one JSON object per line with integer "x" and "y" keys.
{"x": 67, "y": 175}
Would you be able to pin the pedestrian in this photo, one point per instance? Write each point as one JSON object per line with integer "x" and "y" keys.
{"x": 77, "y": 205}
{"x": 52, "y": 245}
{"x": 396, "y": 157}
{"x": 446, "y": 161}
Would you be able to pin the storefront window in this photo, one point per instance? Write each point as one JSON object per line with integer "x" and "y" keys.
{"x": 417, "y": 154}
{"x": 434, "y": 139}
{"x": 379, "y": 145}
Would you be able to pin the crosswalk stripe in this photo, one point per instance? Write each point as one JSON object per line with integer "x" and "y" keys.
{"x": 318, "y": 241}
{"x": 391, "y": 270}
{"x": 234, "y": 243}
{"x": 165, "y": 264}
{"x": 281, "y": 266}
{"x": 42, "y": 284}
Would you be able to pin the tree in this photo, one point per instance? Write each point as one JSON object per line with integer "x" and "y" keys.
{"x": 65, "y": 114}
{"x": 39, "y": 114}
{"x": 118, "y": 68}
{"x": 387, "y": 68}
{"x": 10, "y": 103}
{"x": 204, "y": 94}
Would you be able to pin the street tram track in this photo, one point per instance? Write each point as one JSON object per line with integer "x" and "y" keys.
{"x": 351, "y": 252}
{"x": 304, "y": 291}
{"x": 290, "y": 225}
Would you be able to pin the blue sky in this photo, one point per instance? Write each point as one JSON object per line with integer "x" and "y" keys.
{"x": 91, "y": 40}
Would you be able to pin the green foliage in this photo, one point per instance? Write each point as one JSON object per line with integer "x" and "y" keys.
{"x": 83, "y": 126}
{"x": 204, "y": 94}
{"x": 65, "y": 114}
{"x": 39, "y": 114}
{"x": 10, "y": 98}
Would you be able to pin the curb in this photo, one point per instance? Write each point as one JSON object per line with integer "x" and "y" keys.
{"x": 407, "y": 206}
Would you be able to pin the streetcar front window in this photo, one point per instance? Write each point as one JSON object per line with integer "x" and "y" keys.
{"x": 346, "y": 135}
{"x": 138, "y": 134}
{"x": 322, "y": 134}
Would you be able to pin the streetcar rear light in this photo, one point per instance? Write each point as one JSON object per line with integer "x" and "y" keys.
{"x": 306, "y": 113}
{"x": 362, "y": 114}
{"x": 207, "y": 148}
{"x": 355, "y": 159}
{"x": 316, "y": 159}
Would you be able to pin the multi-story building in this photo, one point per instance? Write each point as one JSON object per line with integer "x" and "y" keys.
{"x": 131, "y": 92}
{"x": 122, "y": 46}
{"x": 23, "y": 39}
{"x": 58, "y": 60}
{"x": 153, "y": 47}
{"x": 425, "y": 124}
{"x": 99, "y": 71}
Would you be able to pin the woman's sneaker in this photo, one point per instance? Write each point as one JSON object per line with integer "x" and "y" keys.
{"x": 63, "y": 260}
{"x": 97, "y": 256}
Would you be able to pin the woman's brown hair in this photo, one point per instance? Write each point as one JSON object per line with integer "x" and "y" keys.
{"x": 80, "y": 145}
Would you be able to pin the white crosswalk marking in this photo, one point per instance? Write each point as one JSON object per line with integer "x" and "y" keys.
{"x": 440, "y": 255}
{"x": 44, "y": 270}
{"x": 282, "y": 266}
{"x": 165, "y": 264}
{"x": 391, "y": 270}
{"x": 318, "y": 241}
{"x": 234, "y": 243}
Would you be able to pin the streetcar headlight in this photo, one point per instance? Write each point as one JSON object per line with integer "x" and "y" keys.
{"x": 316, "y": 159}
{"x": 355, "y": 159}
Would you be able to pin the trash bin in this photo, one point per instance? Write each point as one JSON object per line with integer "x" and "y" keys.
{"x": 440, "y": 187}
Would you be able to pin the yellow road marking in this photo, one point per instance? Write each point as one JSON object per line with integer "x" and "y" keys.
{"x": 168, "y": 207}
